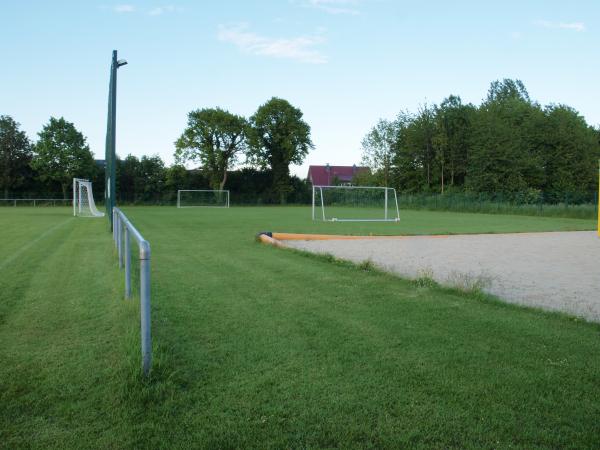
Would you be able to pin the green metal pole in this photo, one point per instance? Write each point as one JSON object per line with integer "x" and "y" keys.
{"x": 111, "y": 134}
{"x": 113, "y": 120}
{"x": 109, "y": 189}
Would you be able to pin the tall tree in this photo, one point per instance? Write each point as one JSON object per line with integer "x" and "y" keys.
{"x": 62, "y": 154}
{"x": 214, "y": 138}
{"x": 418, "y": 142}
{"x": 378, "y": 148}
{"x": 502, "y": 160}
{"x": 407, "y": 162}
{"x": 15, "y": 155}
{"x": 150, "y": 178}
{"x": 570, "y": 152}
{"x": 128, "y": 170}
{"x": 507, "y": 89}
{"x": 451, "y": 140}
{"x": 177, "y": 177}
{"x": 279, "y": 137}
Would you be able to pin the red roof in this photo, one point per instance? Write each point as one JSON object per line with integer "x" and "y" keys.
{"x": 326, "y": 175}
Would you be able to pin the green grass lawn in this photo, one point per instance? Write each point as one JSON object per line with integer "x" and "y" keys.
{"x": 258, "y": 347}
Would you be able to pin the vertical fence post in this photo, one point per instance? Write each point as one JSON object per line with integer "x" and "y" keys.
{"x": 120, "y": 248}
{"x": 145, "y": 306}
{"x": 123, "y": 233}
{"x": 127, "y": 264}
{"x": 114, "y": 216}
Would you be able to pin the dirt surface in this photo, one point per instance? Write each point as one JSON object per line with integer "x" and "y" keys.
{"x": 555, "y": 271}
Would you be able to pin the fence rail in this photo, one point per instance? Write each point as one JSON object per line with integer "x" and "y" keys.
{"x": 569, "y": 206}
{"x": 36, "y": 201}
{"x": 123, "y": 230}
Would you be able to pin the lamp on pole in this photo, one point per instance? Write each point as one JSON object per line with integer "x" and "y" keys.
{"x": 111, "y": 125}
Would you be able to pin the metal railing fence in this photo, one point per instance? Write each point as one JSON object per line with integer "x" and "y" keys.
{"x": 36, "y": 201}
{"x": 123, "y": 230}
{"x": 580, "y": 206}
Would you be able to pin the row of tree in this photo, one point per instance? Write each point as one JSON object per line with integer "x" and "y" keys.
{"x": 274, "y": 137}
{"x": 49, "y": 165}
{"x": 214, "y": 139}
{"x": 147, "y": 180}
{"x": 509, "y": 144}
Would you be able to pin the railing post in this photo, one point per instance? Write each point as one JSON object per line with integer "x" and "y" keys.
{"x": 114, "y": 231}
{"x": 127, "y": 264}
{"x": 120, "y": 233}
{"x": 122, "y": 229}
{"x": 145, "y": 306}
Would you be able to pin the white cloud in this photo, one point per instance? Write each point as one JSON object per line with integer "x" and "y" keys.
{"x": 164, "y": 9}
{"x": 335, "y": 6}
{"x": 124, "y": 8}
{"x": 156, "y": 11}
{"x": 575, "y": 26}
{"x": 299, "y": 48}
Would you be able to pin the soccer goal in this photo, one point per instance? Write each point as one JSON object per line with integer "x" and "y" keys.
{"x": 83, "y": 199}
{"x": 190, "y": 198}
{"x": 355, "y": 204}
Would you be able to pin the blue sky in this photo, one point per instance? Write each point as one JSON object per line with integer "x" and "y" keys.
{"x": 344, "y": 63}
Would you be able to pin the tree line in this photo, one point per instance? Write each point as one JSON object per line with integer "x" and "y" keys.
{"x": 509, "y": 145}
{"x": 47, "y": 167}
{"x": 214, "y": 139}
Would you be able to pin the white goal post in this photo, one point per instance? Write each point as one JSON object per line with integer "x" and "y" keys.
{"x": 355, "y": 204}
{"x": 192, "y": 198}
{"x": 83, "y": 199}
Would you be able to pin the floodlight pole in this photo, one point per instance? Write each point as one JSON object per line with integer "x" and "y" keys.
{"x": 111, "y": 156}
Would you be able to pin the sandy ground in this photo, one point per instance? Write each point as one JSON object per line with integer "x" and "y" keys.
{"x": 555, "y": 271}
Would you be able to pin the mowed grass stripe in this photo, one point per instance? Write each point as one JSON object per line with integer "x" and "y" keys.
{"x": 25, "y": 247}
{"x": 278, "y": 347}
{"x": 22, "y": 225}
{"x": 67, "y": 342}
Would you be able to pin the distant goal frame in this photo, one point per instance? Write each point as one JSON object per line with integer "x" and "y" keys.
{"x": 387, "y": 217}
{"x": 83, "y": 203}
{"x": 224, "y": 191}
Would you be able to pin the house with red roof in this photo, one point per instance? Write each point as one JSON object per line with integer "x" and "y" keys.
{"x": 334, "y": 175}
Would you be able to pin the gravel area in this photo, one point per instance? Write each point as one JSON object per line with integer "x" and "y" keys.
{"x": 555, "y": 271}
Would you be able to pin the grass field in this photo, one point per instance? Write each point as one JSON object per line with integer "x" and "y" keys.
{"x": 258, "y": 347}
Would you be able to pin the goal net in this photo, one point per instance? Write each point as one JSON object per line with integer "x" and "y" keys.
{"x": 83, "y": 199}
{"x": 355, "y": 204}
{"x": 190, "y": 198}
